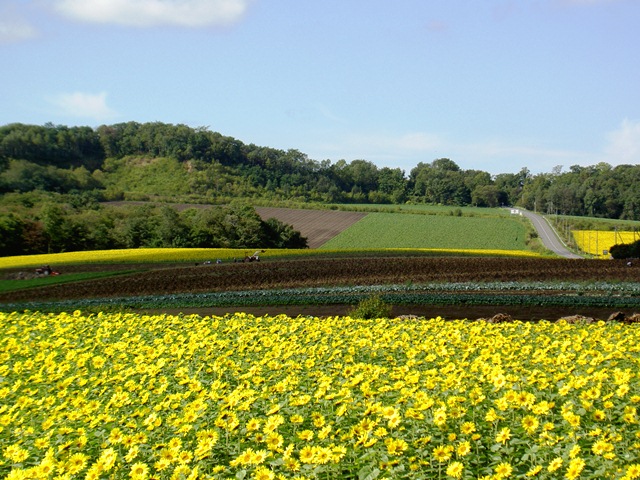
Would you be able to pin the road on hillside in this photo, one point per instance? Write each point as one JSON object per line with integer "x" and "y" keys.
{"x": 548, "y": 235}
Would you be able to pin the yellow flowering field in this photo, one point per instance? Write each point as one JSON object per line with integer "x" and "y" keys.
{"x": 130, "y": 255}
{"x": 159, "y": 255}
{"x": 595, "y": 242}
{"x": 130, "y": 396}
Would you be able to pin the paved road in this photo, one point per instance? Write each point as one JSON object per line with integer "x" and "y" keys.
{"x": 548, "y": 235}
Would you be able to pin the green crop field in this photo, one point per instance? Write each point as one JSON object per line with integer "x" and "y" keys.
{"x": 386, "y": 230}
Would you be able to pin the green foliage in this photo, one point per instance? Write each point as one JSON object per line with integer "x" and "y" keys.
{"x": 282, "y": 235}
{"x": 152, "y": 176}
{"x": 76, "y": 222}
{"x": 160, "y": 161}
{"x": 486, "y": 196}
{"x": 371, "y": 307}
{"x": 625, "y": 250}
{"x": 441, "y": 182}
{"x": 26, "y": 176}
{"x": 560, "y": 294}
{"x": 54, "y": 145}
{"x": 12, "y": 230}
{"x": 397, "y": 230}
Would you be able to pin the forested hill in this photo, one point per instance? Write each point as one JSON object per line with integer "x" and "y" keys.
{"x": 133, "y": 160}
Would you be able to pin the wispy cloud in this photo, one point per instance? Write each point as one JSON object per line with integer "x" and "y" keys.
{"x": 13, "y": 26}
{"x": 624, "y": 144}
{"x": 149, "y": 13}
{"x": 84, "y": 105}
{"x": 318, "y": 112}
{"x": 406, "y": 142}
{"x": 406, "y": 150}
{"x": 403, "y": 150}
{"x": 15, "y": 32}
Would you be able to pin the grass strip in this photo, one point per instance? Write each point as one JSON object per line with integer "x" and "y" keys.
{"x": 22, "y": 284}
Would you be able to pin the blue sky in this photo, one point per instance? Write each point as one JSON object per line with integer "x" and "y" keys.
{"x": 494, "y": 85}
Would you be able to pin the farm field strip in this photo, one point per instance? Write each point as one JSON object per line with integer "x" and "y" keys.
{"x": 160, "y": 396}
{"x": 598, "y": 242}
{"x": 199, "y": 255}
{"x": 316, "y": 272}
{"x": 18, "y": 283}
{"x": 407, "y": 221}
{"x": 318, "y": 226}
{"x": 385, "y": 230}
{"x": 601, "y": 295}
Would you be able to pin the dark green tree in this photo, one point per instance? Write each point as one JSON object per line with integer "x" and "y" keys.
{"x": 280, "y": 235}
{"x": 12, "y": 229}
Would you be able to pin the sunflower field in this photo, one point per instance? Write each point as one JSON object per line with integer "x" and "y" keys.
{"x": 132, "y": 396}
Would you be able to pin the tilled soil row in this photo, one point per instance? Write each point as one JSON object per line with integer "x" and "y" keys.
{"x": 327, "y": 272}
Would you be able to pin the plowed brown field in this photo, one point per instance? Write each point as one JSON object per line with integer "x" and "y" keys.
{"x": 318, "y": 226}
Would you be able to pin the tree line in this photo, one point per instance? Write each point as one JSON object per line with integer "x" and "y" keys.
{"x": 62, "y": 223}
{"x": 133, "y": 160}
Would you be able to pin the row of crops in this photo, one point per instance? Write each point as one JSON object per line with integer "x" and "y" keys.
{"x": 129, "y": 396}
{"x": 545, "y": 294}
{"x": 382, "y": 230}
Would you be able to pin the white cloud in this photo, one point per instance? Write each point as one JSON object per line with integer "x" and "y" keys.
{"x": 13, "y": 26}
{"x": 149, "y": 13}
{"x": 624, "y": 144}
{"x": 84, "y": 105}
{"x": 15, "y": 31}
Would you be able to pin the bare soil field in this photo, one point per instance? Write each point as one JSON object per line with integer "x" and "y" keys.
{"x": 318, "y": 226}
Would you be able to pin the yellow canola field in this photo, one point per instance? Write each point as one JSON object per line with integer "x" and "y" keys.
{"x": 150, "y": 255}
{"x": 129, "y": 396}
{"x": 598, "y": 242}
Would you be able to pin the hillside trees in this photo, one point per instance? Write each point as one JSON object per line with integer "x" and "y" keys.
{"x": 155, "y": 160}
{"x": 58, "y": 146}
{"x": 392, "y": 184}
{"x": 440, "y": 182}
{"x": 26, "y": 176}
{"x": 12, "y": 230}
{"x": 65, "y": 224}
{"x": 486, "y": 196}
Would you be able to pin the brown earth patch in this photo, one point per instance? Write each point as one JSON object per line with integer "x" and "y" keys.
{"x": 318, "y": 226}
